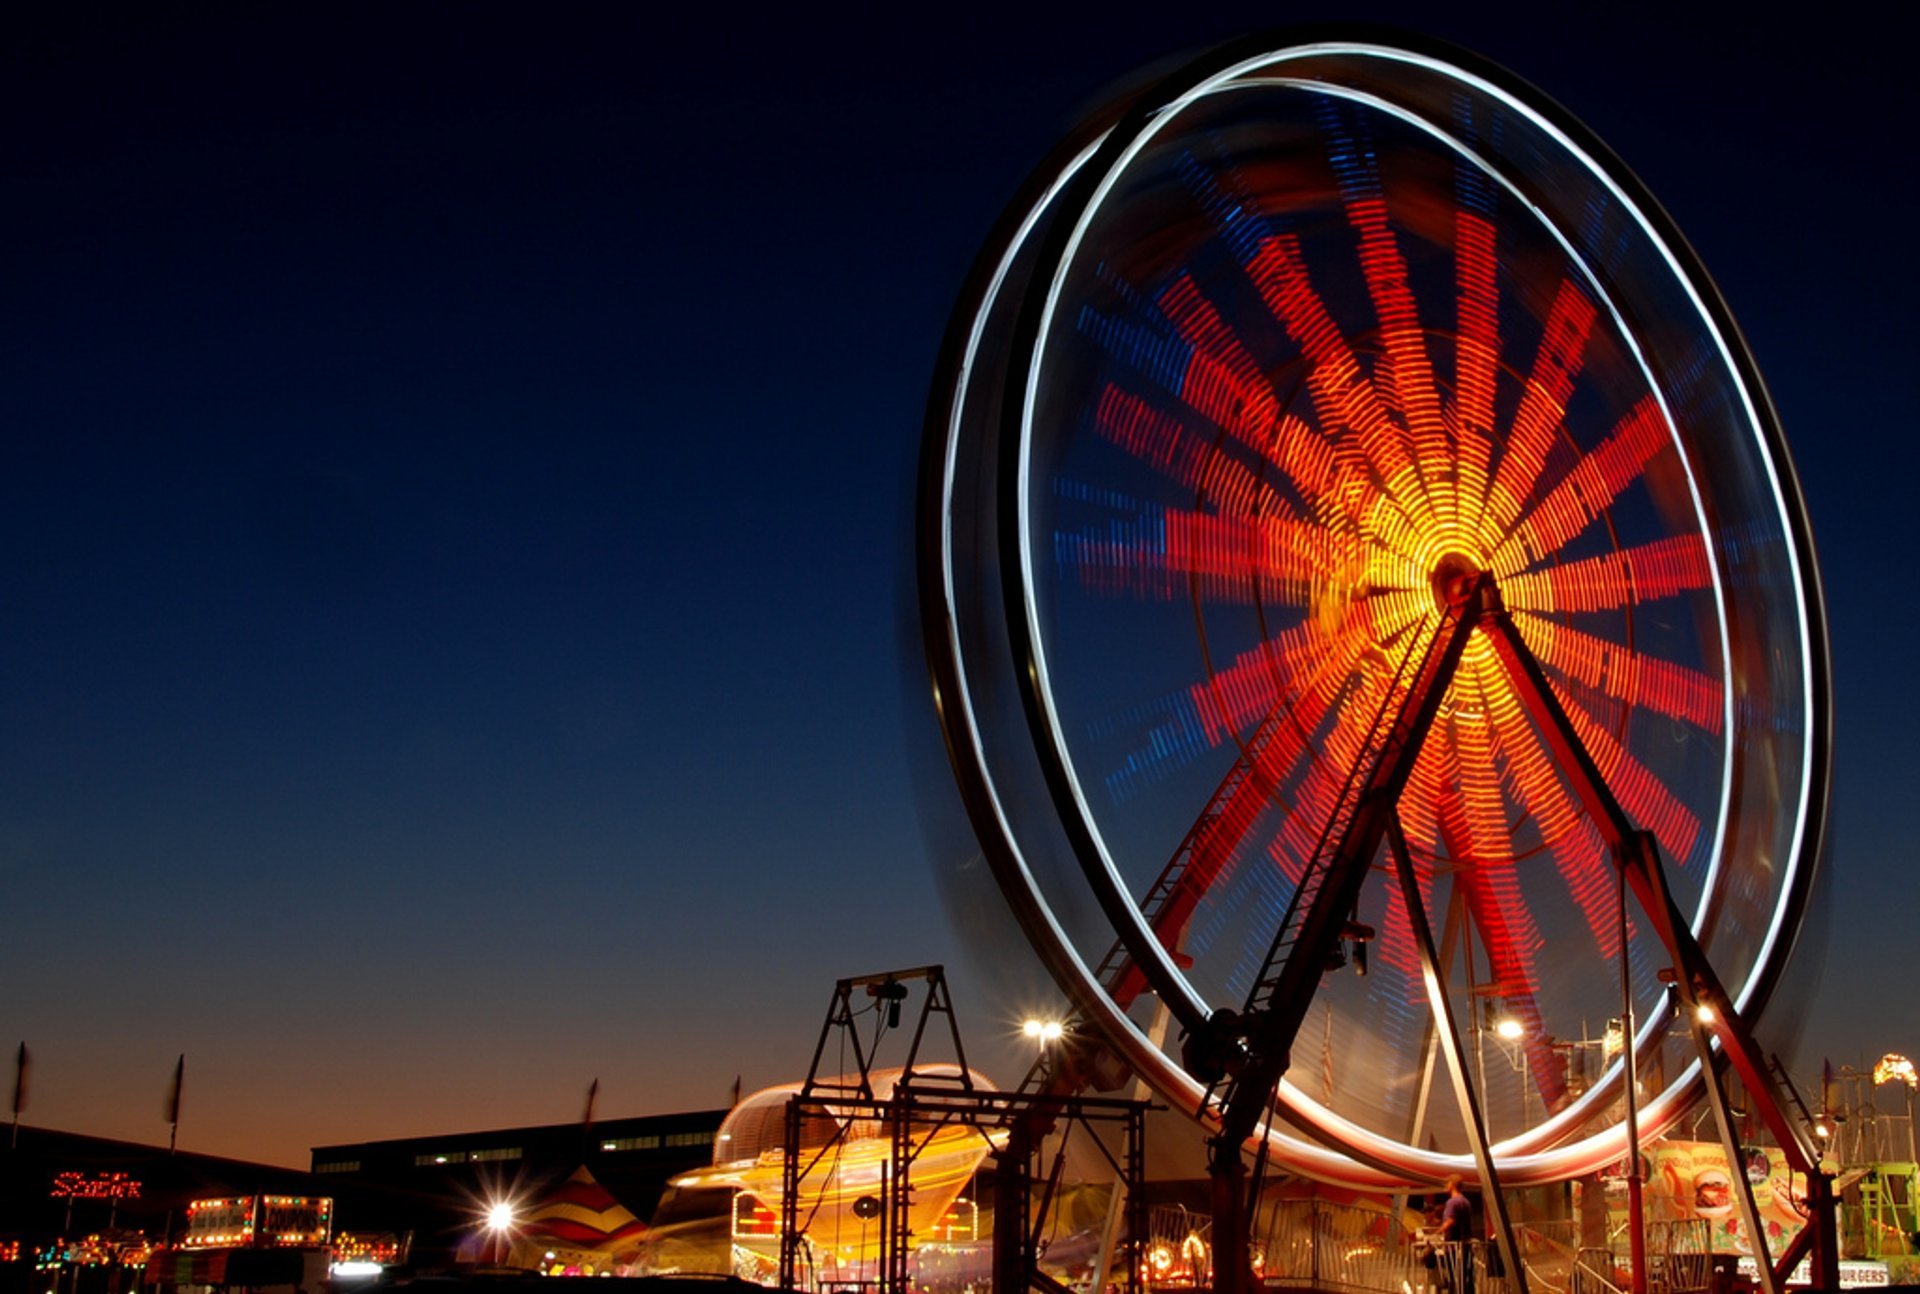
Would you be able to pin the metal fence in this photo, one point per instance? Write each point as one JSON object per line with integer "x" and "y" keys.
{"x": 1311, "y": 1244}
{"x": 1352, "y": 1249}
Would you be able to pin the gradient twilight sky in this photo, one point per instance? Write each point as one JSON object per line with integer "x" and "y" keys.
{"x": 455, "y": 500}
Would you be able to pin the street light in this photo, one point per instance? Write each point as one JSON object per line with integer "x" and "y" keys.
{"x": 1044, "y": 1032}
{"x": 1509, "y": 1030}
{"x": 499, "y": 1221}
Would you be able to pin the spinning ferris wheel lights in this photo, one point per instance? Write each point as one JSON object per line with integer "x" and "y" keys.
{"x": 1263, "y": 383}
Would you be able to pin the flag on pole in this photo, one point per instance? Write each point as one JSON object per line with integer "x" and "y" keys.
{"x": 21, "y": 1064}
{"x": 173, "y": 1100}
{"x": 586, "y": 1120}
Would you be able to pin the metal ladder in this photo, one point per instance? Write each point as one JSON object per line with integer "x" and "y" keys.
{"x": 1225, "y": 799}
{"x": 1375, "y": 748}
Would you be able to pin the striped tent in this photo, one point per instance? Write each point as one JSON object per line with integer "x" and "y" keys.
{"x": 581, "y": 1225}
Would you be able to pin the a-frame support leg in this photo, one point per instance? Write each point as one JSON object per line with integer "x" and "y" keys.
{"x": 1270, "y": 1023}
{"x": 1637, "y": 854}
{"x": 1447, "y": 1033}
{"x": 1712, "y": 1066}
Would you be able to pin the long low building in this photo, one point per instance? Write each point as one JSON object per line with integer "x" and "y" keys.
{"x": 454, "y": 1177}
{"x": 69, "y": 1185}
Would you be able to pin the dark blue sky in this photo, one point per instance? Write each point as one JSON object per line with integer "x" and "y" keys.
{"x": 454, "y": 500}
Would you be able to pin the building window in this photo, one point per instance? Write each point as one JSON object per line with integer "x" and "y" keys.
{"x": 631, "y": 1143}
{"x": 689, "y": 1139}
{"x": 338, "y": 1166}
{"x": 490, "y": 1156}
{"x": 440, "y": 1157}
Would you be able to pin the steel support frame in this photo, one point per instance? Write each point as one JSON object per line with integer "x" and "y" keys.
{"x": 888, "y": 990}
{"x": 1447, "y": 1034}
{"x": 1698, "y": 986}
{"x": 1270, "y": 1034}
{"x": 1019, "y": 1122}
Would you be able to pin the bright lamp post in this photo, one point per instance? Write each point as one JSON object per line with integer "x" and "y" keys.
{"x": 499, "y": 1221}
{"x": 1044, "y": 1033}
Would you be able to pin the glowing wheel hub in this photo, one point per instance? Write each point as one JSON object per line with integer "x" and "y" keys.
{"x": 1453, "y": 579}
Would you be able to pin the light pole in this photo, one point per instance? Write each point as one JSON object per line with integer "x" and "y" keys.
{"x": 1043, "y": 1032}
{"x": 499, "y": 1223}
{"x": 1510, "y": 1032}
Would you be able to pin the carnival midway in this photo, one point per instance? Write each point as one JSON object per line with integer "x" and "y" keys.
{"x": 1374, "y": 627}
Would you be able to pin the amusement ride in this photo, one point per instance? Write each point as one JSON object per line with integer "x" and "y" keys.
{"x": 1372, "y": 614}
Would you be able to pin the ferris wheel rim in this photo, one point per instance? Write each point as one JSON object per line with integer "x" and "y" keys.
{"x": 1761, "y": 423}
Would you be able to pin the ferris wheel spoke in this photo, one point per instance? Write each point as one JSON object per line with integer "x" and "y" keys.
{"x": 1419, "y": 819}
{"x": 1586, "y": 490}
{"x": 1407, "y": 372}
{"x": 1477, "y": 356}
{"x": 1141, "y": 339}
{"x": 1644, "y": 796}
{"x": 1343, "y": 396}
{"x": 1534, "y": 770}
{"x": 1216, "y": 853}
{"x": 1226, "y": 385}
{"x": 1397, "y": 948}
{"x": 1335, "y": 483}
{"x": 1173, "y": 449}
{"x": 1319, "y": 790}
{"x": 1166, "y": 442}
{"x": 1203, "y": 716}
{"x": 1282, "y": 755}
{"x": 1513, "y": 941}
{"x": 1127, "y": 556}
{"x": 1223, "y": 381}
{"x": 1479, "y": 806}
{"x": 1329, "y": 470}
{"x": 1311, "y": 663}
{"x": 1583, "y": 862}
{"x": 1556, "y": 365}
{"x": 1190, "y": 353}
{"x": 1314, "y": 798}
{"x": 1632, "y": 678}
{"x": 1579, "y": 855}
{"x": 1492, "y": 893}
{"x": 1659, "y": 568}
{"x": 1274, "y": 560}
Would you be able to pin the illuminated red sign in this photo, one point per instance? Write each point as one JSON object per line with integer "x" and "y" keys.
{"x": 106, "y": 1186}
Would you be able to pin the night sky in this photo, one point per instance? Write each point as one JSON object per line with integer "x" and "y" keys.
{"x": 455, "y": 504}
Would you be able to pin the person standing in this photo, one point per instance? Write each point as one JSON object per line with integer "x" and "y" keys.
{"x": 1456, "y": 1233}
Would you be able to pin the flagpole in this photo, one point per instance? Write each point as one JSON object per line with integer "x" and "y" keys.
{"x": 173, "y": 1134}
{"x": 173, "y": 1102}
{"x": 20, "y": 1063}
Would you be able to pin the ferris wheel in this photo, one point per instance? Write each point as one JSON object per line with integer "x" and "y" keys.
{"x": 1311, "y": 364}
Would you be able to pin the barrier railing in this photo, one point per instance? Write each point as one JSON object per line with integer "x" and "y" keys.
{"x": 1353, "y": 1249}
